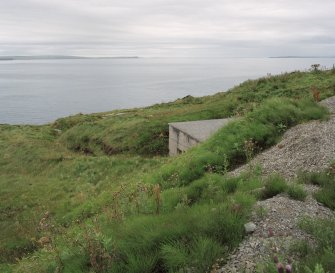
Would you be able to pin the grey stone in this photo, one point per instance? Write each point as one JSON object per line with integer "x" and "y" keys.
{"x": 249, "y": 227}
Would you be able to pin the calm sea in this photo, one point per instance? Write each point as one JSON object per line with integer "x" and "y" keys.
{"x": 40, "y": 91}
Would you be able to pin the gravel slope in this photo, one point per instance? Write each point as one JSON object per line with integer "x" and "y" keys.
{"x": 308, "y": 147}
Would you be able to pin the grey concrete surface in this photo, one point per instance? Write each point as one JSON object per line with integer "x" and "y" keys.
{"x": 184, "y": 135}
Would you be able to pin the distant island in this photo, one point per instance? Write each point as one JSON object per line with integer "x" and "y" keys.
{"x": 59, "y": 57}
{"x": 301, "y": 57}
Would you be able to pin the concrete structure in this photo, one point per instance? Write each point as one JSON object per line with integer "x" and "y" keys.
{"x": 184, "y": 135}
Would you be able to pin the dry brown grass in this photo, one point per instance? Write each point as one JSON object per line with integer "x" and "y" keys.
{"x": 315, "y": 93}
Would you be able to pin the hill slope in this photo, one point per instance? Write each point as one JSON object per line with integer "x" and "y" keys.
{"x": 118, "y": 131}
{"x": 95, "y": 193}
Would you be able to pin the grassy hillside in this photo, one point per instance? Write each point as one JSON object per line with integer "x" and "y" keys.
{"x": 96, "y": 193}
{"x": 144, "y": 131}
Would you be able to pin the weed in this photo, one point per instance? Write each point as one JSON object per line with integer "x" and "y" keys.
{"x": 249, "y": 149}
{"x": 156, "y": 192}
{"x": 315, "y": 67}
{"x": 281, "y": 127}
{"x": 96, "y": 246}
{"x": 315, "y": 93}
{"x": 318, "y": 269}
{"x": 261, "y": 212}
{"x": 138, "y": 196}
{"x": 117, "y": 212}
{"x": 225, "y": 164}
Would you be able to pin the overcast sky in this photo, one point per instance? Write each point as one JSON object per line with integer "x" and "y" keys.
{"x": 218, "y": 28}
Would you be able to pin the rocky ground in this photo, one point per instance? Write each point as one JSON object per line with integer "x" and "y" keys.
{"x": 306, "y": 147}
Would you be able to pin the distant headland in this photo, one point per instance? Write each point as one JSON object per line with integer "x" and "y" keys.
{"x": 59, "y": 57}
{"x": 300, "y": 57}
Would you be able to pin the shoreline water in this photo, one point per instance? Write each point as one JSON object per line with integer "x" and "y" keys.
{"x": 41, "y": 91}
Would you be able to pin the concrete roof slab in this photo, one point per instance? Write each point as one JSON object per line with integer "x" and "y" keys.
{"x": 201, "y": 129}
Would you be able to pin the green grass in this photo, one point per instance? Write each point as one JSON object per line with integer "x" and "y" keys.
{"x": 97, "y": 176}
{"x": 296, "y": 192}
{"x": 274, "y": 185}
{"x": 39, "y": 175}
{"x": 189, "y": 236}
{"x": 326, "y": 180}
{"x": 184, "y": 238}
{"x": 315, "y": 178}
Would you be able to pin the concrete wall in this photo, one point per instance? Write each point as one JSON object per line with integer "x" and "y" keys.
{"x": 184, "y": 135}
{"x": 179, "y": 141}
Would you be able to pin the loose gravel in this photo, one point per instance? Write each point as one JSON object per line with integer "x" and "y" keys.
{"x": 306, "y": 147}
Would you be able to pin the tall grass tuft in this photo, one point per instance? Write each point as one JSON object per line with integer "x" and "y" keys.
{"x": 296, "y": 192}
{"x": 326, "y": 180}
{"x": 274, "y": 185}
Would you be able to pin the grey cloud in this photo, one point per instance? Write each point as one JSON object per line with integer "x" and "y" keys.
{"x": 151, "y": 27}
